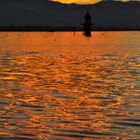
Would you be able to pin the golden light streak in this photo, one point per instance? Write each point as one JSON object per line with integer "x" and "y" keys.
{"x": 81, "y": 1}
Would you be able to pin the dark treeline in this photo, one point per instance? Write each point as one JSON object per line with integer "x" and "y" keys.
{"x": 66, "y": 28}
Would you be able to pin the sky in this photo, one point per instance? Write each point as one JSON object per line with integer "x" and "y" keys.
{"x": 81, "y": 1}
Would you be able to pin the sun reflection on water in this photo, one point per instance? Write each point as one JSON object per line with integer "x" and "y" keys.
{"x": 79, "y": 93}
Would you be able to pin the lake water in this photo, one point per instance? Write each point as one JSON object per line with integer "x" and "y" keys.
{"x": 64, "y": 86}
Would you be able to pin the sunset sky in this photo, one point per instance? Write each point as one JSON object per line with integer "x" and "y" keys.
{"x": 81, "y": 1}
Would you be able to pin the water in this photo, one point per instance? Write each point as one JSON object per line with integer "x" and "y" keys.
{"x": 61, "y": 86}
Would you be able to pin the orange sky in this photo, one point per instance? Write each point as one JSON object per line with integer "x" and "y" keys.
{"x": 81, "y": 1}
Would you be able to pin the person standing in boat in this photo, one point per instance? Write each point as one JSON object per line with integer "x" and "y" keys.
{"x": 87, "y": 24}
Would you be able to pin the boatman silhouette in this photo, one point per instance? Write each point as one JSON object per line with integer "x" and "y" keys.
{"x": 87, "y": 24}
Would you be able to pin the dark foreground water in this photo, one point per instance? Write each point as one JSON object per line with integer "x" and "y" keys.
{"x": 61, "y": 86}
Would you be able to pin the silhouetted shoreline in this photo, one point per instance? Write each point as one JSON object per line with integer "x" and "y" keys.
{"x": 59, "y": 29}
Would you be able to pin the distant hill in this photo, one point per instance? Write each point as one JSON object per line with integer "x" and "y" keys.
{"x": 45, "y": 13}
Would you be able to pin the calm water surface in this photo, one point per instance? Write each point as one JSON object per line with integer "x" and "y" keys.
{"x": 61, "y": 86}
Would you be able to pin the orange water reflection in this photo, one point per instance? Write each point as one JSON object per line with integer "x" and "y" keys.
{"x": 125, "y": 42}
{"x": 64, "y": 89}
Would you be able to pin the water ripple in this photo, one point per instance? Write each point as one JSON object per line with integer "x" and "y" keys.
{"x": 58, "y": 96}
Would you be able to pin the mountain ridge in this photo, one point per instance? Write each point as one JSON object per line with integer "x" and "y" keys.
{"x": 48, "y": 13}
